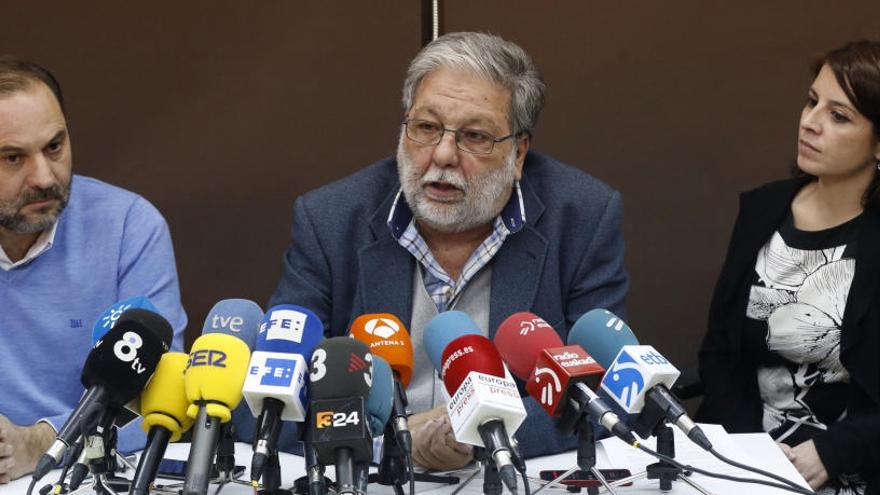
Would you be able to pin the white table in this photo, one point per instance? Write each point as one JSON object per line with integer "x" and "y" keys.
{"x": 760, "y": 447}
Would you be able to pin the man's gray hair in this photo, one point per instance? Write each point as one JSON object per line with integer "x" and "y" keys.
{"x": 490, "y": 57}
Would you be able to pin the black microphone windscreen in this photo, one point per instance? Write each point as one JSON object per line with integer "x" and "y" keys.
{"x": 152, "y": 321}
{"x": 124, "y": 359}
{"x": 340, "y": 367}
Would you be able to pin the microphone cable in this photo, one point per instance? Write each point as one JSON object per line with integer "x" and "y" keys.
{"x": 685, "y": 467}
{"x": 752, "y": 469}
{"x": 412, "y": 474}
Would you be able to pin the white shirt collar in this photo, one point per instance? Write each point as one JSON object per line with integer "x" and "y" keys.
{"x": 43, "y": 243}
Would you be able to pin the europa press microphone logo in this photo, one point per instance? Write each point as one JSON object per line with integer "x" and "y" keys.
{"x": 624, "y": 380}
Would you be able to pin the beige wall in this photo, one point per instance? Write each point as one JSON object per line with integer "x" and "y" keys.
{"x": 221, "y": 113}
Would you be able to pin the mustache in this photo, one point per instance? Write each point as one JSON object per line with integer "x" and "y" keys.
{"x": 444, "y": 175}
{"x": 53, "y": 192}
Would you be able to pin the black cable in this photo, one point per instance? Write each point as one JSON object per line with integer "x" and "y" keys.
{"x": 686, "y": 467}
{"x": 525, "y": 482}
{"x": 412, "y": 473}
{"x": 753, "y": 469}
{"x": 30, "y": 489}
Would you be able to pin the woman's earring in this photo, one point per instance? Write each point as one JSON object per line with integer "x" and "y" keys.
{"x": 878, "y": 166}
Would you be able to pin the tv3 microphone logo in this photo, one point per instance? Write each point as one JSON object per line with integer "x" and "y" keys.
{"x": 527, "y": 326}
{"x": 626, "y": 381}
{"x": 355, "y": 364}
{"x": 382, "y": 327}
{"x": 325, "y": 419}
{"x": 125, "y": 349}
{"x": 550, "y": 391}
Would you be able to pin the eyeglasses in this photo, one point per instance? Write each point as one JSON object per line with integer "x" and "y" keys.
{"x": 468, "y": 140}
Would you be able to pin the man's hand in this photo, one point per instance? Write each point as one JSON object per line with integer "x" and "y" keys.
{"x": 434, "y": 445}
{"x": 806, "y": 460}
{"x": 21, "y": 447}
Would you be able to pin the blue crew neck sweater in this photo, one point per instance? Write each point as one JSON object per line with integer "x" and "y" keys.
{"x": 110, "y": 244}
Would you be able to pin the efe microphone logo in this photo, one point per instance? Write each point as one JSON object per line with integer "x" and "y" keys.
{"x": 624, "y": 380}
{"x": 526, "y": 326}
{"x": 324, "y": 419}
{"x": 382, "y": 327}
{"x": 277, "y": 372}
{"x": 548, "y": 396}
{"x": 285, "y": 324}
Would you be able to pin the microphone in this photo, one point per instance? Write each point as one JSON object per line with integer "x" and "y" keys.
{"x": 275, "y": 387}
{"x": 555, "y": 374}
{"x": 387, "y": 337}
{"x": 380, "y": 400}
{"x": 638, "y": 377}
{"x": 484, "y": 403}
{"x": 105, "y": 321}
{"x": 213, "y": 379}
{"x": 341, "y": 375}
{"x": 163, "y": 406}
{"x": 116, "y": 370}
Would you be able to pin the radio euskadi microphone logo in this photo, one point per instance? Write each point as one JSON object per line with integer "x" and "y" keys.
{"x": 624, "y": 380}
{"x": 286, "y": 324}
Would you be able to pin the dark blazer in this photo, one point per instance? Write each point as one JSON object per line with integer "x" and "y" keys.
{"x": 730, "y": 376}
{"x": 567, "y": 259}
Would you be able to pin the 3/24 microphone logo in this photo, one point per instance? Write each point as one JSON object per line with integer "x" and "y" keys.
{"x": 550, "y": 391}
{"x": 624, "y": 380}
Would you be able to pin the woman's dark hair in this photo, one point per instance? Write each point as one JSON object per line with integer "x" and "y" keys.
{"x": 18, "y": 75}
{"x": 856, "y": 66}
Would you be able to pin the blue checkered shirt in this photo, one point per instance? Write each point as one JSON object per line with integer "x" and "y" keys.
{"x": 440, "y": 286}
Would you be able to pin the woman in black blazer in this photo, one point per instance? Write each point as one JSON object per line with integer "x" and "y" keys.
{"x": 792, "y": 346}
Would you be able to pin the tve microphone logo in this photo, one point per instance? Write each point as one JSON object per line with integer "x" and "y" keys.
{"x": 231, "y": 323}
{"x": 624, "y": 380}
{"x": 278, "y": 372}
{"x": 286, "y": 324}
{"x": 551, "y": 389}
{"x": 382, "y": 327}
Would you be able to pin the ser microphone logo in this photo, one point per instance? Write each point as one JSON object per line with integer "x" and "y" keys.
{"x": 624, "y": 380}
{"x": 550, "y": 390}
{"x": 206, "y": 357}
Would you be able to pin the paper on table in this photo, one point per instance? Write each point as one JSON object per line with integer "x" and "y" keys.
{"x": 686, "y": 452}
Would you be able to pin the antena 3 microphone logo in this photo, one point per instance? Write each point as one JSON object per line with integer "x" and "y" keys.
{"x": 285, "y": 324}
{"x": 382, "y": 327}
{"x": 527, "y": 326}
{"x": 624, "y": 380}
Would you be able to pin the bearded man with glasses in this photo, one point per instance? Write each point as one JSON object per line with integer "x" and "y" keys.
{"x": 465, "y": 217}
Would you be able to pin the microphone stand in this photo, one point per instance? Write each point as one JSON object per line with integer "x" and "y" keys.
{"x": 393, "y": 469}
{"x": 225, "y": 459}
{"x": 272, "y": 477}
{"x": 652, "y": 421}
{"x": 491, "y": 480}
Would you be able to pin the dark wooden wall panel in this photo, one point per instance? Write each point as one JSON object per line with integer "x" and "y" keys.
{"x": 221, "y": 113}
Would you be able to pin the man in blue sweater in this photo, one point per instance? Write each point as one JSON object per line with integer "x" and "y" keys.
{"x": 70, "y": 247}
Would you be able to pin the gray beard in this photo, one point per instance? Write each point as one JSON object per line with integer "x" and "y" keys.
{"x": 14, "y": 221}
{"x": 484, "y": 196}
